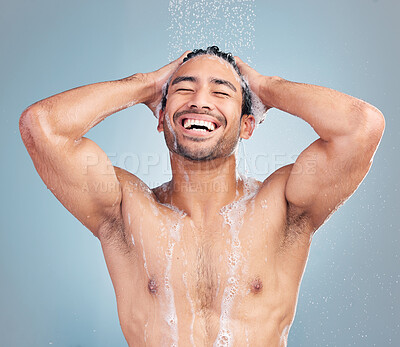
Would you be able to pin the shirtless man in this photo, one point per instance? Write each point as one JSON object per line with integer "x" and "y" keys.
{"x": 209, "y": 258}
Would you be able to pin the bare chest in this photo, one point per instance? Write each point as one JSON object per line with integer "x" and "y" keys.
{"x": 223, "y": 262}
{"x": 226, "y": 272}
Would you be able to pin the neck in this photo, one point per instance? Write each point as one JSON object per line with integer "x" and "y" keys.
{"x": 201, "y": 188}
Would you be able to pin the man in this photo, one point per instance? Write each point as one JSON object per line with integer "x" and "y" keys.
{"x": 208, "y": 258}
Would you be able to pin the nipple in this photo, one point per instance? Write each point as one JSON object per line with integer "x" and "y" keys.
{"x": 256, "y": 286}
{"x": 152, "y": 286}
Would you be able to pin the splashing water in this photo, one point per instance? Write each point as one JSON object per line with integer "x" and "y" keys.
{"x": 144, "y": 253}
{"x": 133, "y": 240}
{"x": 170, "y": 315}
{"x": 145, "y": 331}
{"x": 233, "y": 215}
{"x": 228, "y": 24}
{"x": 188, "y": 297}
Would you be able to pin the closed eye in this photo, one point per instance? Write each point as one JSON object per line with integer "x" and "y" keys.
{"x": 184, "y": 90}
{"x": 222, "y": 93}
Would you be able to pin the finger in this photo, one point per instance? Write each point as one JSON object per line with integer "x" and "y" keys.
{"x": 238, "y": 60}
{"x": 245, "y": 68}
{"x": 179, "y": 61}
{"x": 241, "y": 65}
{"x": 174, "y": 65}
{"x": 183, "y": 56}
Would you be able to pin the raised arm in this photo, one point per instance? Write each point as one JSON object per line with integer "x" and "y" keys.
{"x": 349, "y": 129}
{"x": 73, "y": 167}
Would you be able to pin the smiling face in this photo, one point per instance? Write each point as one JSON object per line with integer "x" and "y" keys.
{"x": 202, "y": 116}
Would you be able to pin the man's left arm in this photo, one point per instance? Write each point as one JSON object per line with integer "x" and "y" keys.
{"x": 349, "y": 129}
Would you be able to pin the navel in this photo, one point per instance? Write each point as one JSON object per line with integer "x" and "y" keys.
{"x": 152, "y": 286}
{"x": 256, "y": 286}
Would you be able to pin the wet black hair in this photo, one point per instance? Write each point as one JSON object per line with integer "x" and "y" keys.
{"x": 214, "y": 50}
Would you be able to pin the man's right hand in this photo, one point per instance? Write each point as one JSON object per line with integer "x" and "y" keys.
{"x": 156, "y": 81}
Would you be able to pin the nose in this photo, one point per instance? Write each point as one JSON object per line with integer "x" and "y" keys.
{"x": 200, "y": 100}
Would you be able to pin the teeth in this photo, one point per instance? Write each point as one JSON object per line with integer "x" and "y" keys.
{"x": 189, "y": 122}
{"x": 202, "y": 130}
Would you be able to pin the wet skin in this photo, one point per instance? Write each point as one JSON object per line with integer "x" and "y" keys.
{"x": 192, "y": 265}
{"x": 207, "y": 258}
{"x": 271, "y": 258}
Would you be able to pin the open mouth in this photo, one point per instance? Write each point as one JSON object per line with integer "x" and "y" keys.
{"x": 199, "y": 125}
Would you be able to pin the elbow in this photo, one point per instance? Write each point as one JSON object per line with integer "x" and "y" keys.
{"x": 31, "y": 124}
{"x": 368, "y": 125}
{"x": 367, "y": 122}
{"x": 370, "y": 131}
{"x": 25, "y": 125}
{"x": 375, "y": 123}
{"x": 28, "y": 117}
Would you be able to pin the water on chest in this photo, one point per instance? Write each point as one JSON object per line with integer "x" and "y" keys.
{"x": 203, "y": 275}
{"x": 206, "y": 273}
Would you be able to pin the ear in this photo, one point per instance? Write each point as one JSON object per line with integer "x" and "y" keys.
{"x": 160, "y": 126}
{"x": 247, "y": 126}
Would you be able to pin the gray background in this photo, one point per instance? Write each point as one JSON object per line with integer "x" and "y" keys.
{"x": 54, "y": 286}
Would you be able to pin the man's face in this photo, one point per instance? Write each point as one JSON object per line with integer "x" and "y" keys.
{"x": 201, "y": 120}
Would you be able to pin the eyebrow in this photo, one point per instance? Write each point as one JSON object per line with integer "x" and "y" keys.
{"x": 183, "y": 78}
{"x": 223, "y": 82}
{"x": 212, "y": 80}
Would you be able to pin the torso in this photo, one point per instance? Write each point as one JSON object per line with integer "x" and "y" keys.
{"x": 232, "y": 282}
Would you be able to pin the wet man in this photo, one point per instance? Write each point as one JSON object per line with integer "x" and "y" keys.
{"x": 193, "y": 265}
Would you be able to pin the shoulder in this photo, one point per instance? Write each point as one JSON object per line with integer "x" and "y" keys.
{"x": 130, "y": 183}
{"x": 123, "y": 175}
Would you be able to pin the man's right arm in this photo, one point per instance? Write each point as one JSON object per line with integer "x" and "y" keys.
{"x": 73, "y": 167}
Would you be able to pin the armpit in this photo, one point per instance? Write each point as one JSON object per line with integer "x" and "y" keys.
{"x": 298, "y": 226}
{"x": 112, "y": 232}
